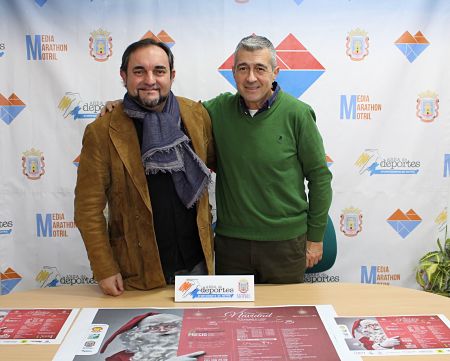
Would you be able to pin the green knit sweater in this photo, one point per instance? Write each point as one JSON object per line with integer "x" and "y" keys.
{"x": 262, "y": 164}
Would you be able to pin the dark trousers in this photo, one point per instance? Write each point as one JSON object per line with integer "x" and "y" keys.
{"x": 268, "y": 261}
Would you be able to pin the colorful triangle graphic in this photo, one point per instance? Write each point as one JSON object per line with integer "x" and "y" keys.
{"x": 299, "y": 69}
{"x": 412, "y": 46}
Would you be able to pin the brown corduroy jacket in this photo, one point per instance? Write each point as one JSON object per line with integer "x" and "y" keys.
{"x": 111, "y": 173}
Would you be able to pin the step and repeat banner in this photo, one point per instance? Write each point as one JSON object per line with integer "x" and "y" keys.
{"x": 376, "y": 73}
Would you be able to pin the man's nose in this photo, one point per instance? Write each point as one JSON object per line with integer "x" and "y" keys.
{"x": 149, "y": 77}
{"x": 251, "y": 77}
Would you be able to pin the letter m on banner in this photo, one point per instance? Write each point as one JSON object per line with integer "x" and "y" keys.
{"x": 348, "y": 108}
{"x": 34, "y": 51}
{"x": 369, "y": 278}
{"x": 44, "y": 229}
{"x": 446, "y": 165}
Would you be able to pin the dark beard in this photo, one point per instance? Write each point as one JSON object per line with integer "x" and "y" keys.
{"x": 151, "y": 103}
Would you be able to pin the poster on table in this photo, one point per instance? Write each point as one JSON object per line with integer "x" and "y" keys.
{"x": 396, "y": 335}
{"x": 206, "y": 334}
{"x": 35, "y": 326}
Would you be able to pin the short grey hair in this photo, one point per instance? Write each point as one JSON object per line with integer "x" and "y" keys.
{"x": 257, "y": 42}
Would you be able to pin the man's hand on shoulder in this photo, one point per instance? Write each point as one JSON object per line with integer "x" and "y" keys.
{"x": 112, "y": 286}
{"x": 108, "y": 107}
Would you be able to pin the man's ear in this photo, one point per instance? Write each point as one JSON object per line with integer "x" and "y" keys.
{"x": 172, "y": 75}
{"x": 124, "y": 77}
{"x": 276, "y": 71}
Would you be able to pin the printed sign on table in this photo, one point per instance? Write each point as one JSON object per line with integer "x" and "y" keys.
{"x": 396, "y": 335}
{"x": 207, "y": 334}
{"x": 35, "y": 326}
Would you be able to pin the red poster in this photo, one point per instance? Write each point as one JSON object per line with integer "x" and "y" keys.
{"x": 251, "y": 334}
{"x": 32, "y": 324}
{"x": 407, "y": 334}
{"x": 416, "y": 331}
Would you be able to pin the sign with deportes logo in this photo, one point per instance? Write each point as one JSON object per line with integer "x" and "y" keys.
{"x": 214, "y": 288}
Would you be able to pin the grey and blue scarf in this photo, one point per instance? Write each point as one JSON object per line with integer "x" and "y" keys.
{"x": 165, "y": 148}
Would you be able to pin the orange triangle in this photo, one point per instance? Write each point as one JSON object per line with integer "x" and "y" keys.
{"x": 290, "y": 42}
{"x": 14, "y": 100}
{"x": 398, "y": 215}
{"x": 149, "y": 35}
{"x": 3, "y": 100}
{"x": 420, "y": 38}
{"x": 406, "y": 38}
{"x": 413, "y": 216}
{"x": 164, "y": 37}
{"x": 9, "y": 274}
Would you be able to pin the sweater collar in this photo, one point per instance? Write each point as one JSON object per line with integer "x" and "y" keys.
{"x": 267, "y": 104}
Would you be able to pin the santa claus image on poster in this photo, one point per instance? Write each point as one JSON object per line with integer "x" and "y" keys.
{"x": 372, "y": 337}
{"x": 3, "y": 314}
{"x": 152, "y": 337}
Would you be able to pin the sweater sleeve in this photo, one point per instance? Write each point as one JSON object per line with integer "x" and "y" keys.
{"x": 312, "y": 157}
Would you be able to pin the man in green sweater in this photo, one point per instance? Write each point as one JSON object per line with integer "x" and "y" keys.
{"x": 267, "y": 145}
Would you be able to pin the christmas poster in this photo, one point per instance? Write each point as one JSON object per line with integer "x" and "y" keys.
{"x": 390, "y": 335}
{"x": 34, "y": 326}
{"x": 206, "y": 334}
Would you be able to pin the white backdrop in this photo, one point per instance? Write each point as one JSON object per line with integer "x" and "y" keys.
{"x": 376, "y": 73}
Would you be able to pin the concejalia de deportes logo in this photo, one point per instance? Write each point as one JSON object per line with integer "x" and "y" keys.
{"x": 6, "y": 226}
{"x": 299, "y": 69}
{"x": 48, "y": 276}
{"x": 371, "y": 162}
{"x": 72, "y": 106}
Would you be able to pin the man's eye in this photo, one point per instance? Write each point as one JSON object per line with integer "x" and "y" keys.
{"x": 138, "y": 72}
{"x": 242, "y": 68}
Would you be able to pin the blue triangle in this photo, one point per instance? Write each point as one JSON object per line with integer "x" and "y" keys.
{"x": 411, "y": 51}
{"x": 294, "y": 82}
{"x": 9, "y": 284}
{"x": 9, "y": 112}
